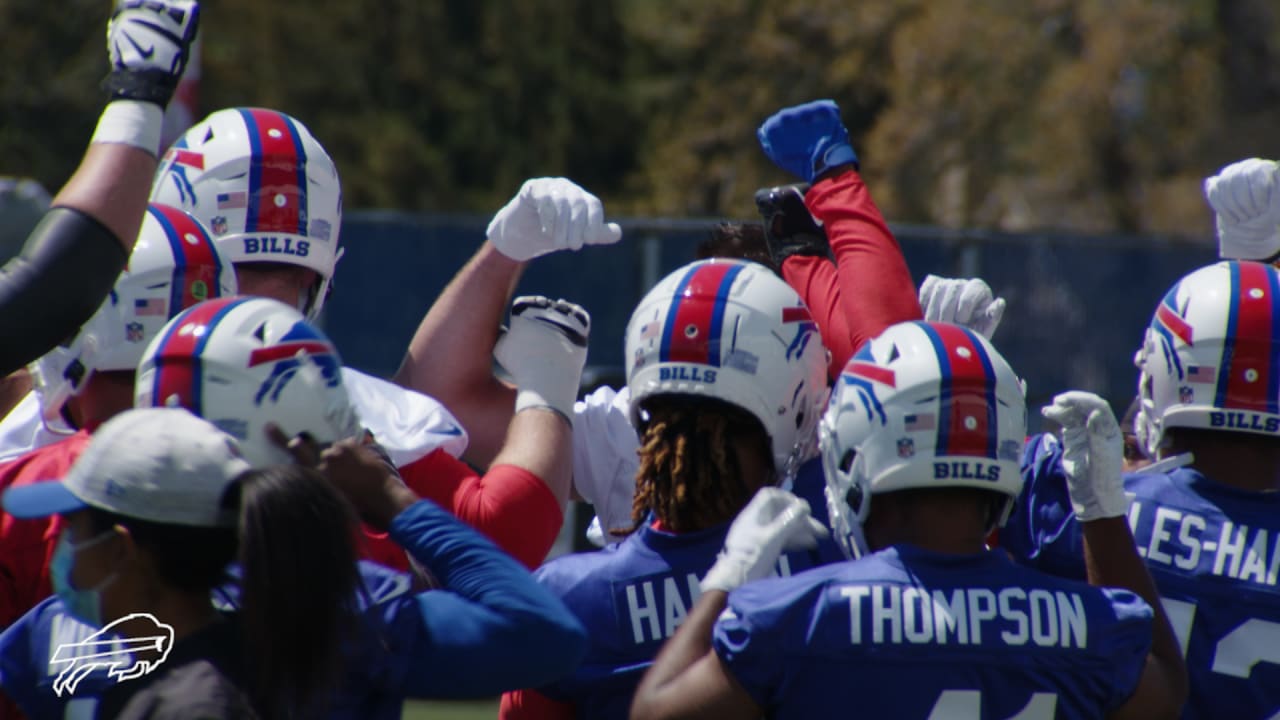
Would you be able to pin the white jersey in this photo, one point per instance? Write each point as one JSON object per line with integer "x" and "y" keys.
{"x": 604, "y": 456}
{"x": 22, "y": 431}
{"x": 408, "y": 424}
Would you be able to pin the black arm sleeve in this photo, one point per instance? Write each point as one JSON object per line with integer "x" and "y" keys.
{"x": 64, "y": 272}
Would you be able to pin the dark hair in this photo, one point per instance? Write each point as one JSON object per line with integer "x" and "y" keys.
{"x": 736, "y": 240}
{"x": 299, "y": 587}
{"x": 299, "y": 580}
{"x": 689, "y": 474}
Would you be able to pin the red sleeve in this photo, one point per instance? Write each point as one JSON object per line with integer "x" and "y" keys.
{"x": 509, "y": 504}
{"x": 817, "y": 283}
{"x": 533, "y": 705}
{"x": 873, "y": 287}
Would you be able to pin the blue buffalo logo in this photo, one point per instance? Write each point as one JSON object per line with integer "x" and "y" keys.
{"x": 302, "y": 344}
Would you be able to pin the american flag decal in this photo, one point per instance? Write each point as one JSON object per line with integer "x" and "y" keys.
{"x": 1200, "y": 374}
{"x": 150, "y": 307}
{"x": 919, "y": 421}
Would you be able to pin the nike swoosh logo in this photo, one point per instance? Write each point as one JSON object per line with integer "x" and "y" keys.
{"x": 146, "y": 54}
{"x": 452, "y": 430}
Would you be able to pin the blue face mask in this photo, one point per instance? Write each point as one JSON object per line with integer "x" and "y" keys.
{"x": 85, "y": 605}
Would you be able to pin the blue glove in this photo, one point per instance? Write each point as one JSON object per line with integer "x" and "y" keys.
{"x": 807, "y": 140}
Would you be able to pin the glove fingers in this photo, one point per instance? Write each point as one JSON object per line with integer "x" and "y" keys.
{"x": 948, "y": 302}
{"x": 928, "y": 289}
{"x": 974, "y": 294}
{"x": 991, "y": 318}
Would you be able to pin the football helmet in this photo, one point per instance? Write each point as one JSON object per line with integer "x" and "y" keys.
{"x": 733, "y": 331}
{"x": 174, "y": 265}
{"x": 243, "y": 362}
{"x": 1211, "y": 357}
{"x": 264, "y": 187}
{"x": 922, "y": 405}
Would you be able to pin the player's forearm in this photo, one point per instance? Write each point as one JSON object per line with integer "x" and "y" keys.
{"x": 111, "y": 185}
{"x": 451, "y": 355}
{"x": 659, "y": 694}
{"x": 509, "y": 632}
{"x": 816, "y": 281}
{"x": 876, "y": 286}
{"x": 540, "y": 440}
{"x": 1111, "y": 560}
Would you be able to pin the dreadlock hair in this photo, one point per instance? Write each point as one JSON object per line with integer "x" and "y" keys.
{"x": 736, "y": 240}
{"x": 689, "y": 475}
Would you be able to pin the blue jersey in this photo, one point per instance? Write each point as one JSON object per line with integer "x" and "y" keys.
{"x": 494, "y": 629}
{"x": 631, "y": 597}
{"x": 1214, "y": 553}
{"x": 911, "y": 634}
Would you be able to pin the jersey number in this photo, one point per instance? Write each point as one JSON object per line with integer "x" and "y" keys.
{"x": 967, "y": 705}
{"x": 1238, "y": 651}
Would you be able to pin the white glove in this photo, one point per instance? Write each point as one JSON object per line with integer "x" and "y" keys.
{"x": 550, "y": 214}
{"x": 1245, "y": 197}
{"x": 544, "y": 351}
{"x": 1092, "y": 454}
{"x": 962, "y": 302}
{"x": 774, "y": 522}
{"x": 148, "y": 42}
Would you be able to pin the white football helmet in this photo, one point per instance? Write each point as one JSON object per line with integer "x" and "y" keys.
{"x": 264, "y": 187}
{"x": 241, "y": 363}
{"x": 174, "y": 265}
{"x": 923, "y": 405}
{"x": 733, "y": 331}
{"x": 1211, "y": 358}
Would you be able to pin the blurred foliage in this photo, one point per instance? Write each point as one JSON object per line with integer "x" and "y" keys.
{"x": 1094, "y": 115}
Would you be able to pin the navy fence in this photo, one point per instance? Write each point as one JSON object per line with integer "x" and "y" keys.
{"x": 1078, "y": 305}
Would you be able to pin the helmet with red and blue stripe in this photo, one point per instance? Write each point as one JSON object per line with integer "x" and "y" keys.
{"x": 173, "y": 266}
{"x": 923, "y": 405}
{"x": 243, "y": 362}
{"x": 265, "y": 188}
{"x": 1211, "y": 357}
{"x": 733, "y": 331}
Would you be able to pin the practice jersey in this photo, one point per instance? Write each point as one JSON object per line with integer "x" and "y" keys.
{"x": 911, "y": 634}
{"x": 631, "y": 597}
{"x": 26, "y": 546}
{"x": 408, "y": 424}
{"x": 1214, "y": 553}
{"x": 492, "y": 629}
{"x": 22, "y": 430}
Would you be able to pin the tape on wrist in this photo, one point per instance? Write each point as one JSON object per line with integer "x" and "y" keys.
{"x": 131, "y": 122}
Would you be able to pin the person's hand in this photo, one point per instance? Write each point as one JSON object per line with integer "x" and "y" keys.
{"x": 789, "y": 227}
{"x": 359, "y": 468}
{"x": 960, "y": 301}
{"x": 1092, "y": 454}
{"x": 545, "y": 350}
{"x": 149, "y": 43}
{"x": 1245, "y": 197}
{"x": 774, "y": 522}
{"x": 807, "y": 140}
{"x": 550, "y": 214}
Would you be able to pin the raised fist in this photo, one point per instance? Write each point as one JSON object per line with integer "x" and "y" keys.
{"x": 550, "y": 214}
{"x": 149, "y": 42}
{"x": 544, "y": 351}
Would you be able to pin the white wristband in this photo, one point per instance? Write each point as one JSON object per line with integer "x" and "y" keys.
{"x": 131, "y": 122}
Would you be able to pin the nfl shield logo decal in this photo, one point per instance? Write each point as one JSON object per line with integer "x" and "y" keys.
{"x": 133, "y": 332}
{"x": 906, "y": 447}
{"x": 218, "y": 225}
{"x": 1185, "y": 395}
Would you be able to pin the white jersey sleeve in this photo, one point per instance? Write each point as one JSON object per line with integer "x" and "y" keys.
{"x": 604, "y": 455}
{"x": 22, "y": 431}
{"x": 408, "y": 424}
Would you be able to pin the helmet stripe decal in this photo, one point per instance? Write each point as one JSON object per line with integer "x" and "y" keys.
{"x": 695, "y": 322}
{"x": 177, "y": 357}
{"x": 277, "y": 178}
{"x": 1248, "y": 378}
{"x": 197, "y": 274}
{"x": 966, "y": 393}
